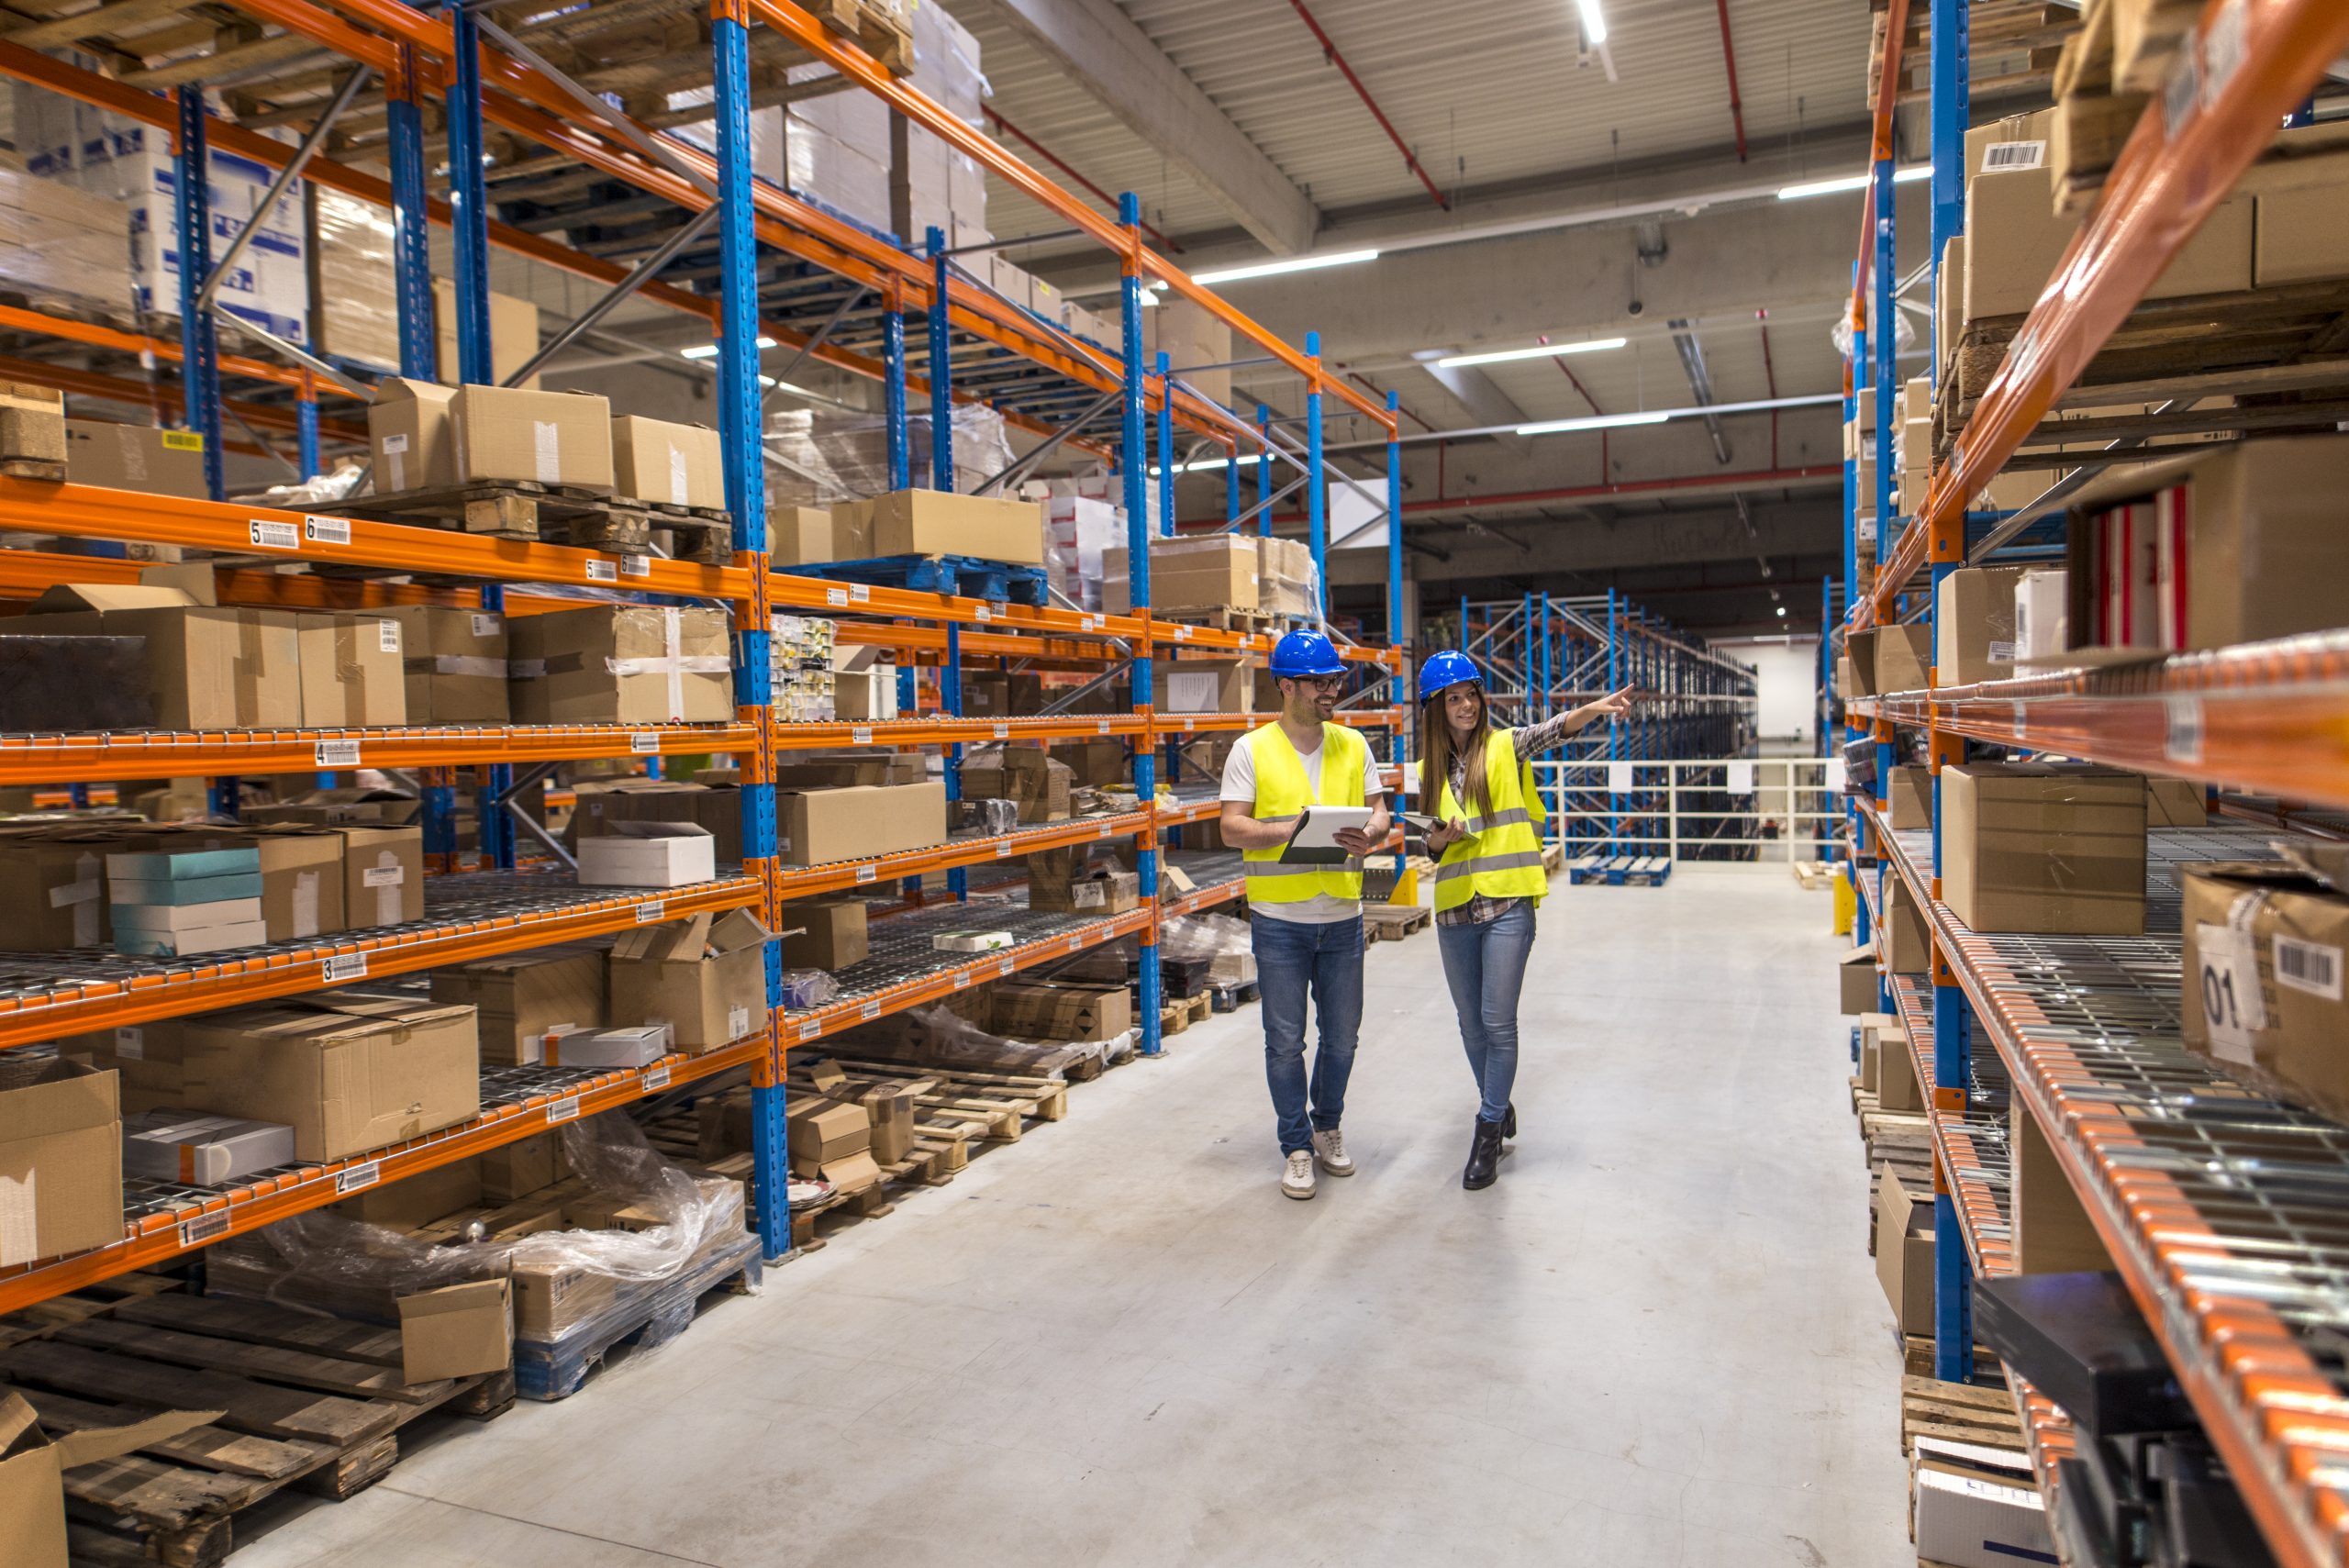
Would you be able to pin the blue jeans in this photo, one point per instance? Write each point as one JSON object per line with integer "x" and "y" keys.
{"x": 1292, "y": 957}
{"x": 1485, "y": 965}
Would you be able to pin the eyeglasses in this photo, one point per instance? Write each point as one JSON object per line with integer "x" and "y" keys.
{"x": 1320, "y": 683}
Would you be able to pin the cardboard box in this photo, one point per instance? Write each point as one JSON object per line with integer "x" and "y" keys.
{"x": 1974, "y": 1521}
{"x": 209, "y": 667}
{"x": 513, "y": 1171}
{"x": 550, "y": 1299}
{"x": 799, "y": 536}
{"x": 200, "y": 1149}
{"x": 828, "y": 1135}
{"x": 1857, "y": 984}
{"x": 815, "y": 827}
{"x": 416, "y": 1201}
{"x": 2301, "y": 235}
{"x": 301, "y": 880}
{"x": 2037, "y": 847}
{"x": 60, "y": 1155}
{"x": 1910, "y": 792}
{"x": 865, "y": 695}
{"x": 647, "y": 854}
{"x": 1027, "y": 775}
{"x": 1904, "y": 1253}
{"x": 626, "y": 1045}
{"x": 717, "y": 811}
{"x": 930, "y": 522}
{"x": 353, "y": 670}
{"x": 513, "y": 333}
{"x": 2042, "y": 620}
{"x": 831, "y": 934}
{"x": 2051, "y": 1231}
{"x": 1897, "y": 1088}
{"x": 145, "y": 1058}
{"x": 2175, "y": 803}
{"x": 811, "y": 771}
{"x": 673, "y": 465}
{"x": 348, "y": 1072}
{"x": 53, "y": 885}
{"x": 382, "y": 875}
{"x": 1204, "y": 685}
{"x": 552, "y": 437}
{"x": 1210, "y": 573}
{"x": 705, "y": 977}
{"x": 621, "y": 664}
{"x": 1901, "y": 655}
{"x": 1975, "y": 626}
{"x": 1102, "y": 762}
{"x": 457, "y": 1331}
{"x": 1034, "y": 1011}
{"x": 891, "y": 1111}
{"x": 453, "y": 664}
{"x": 135, "y": 457}
{"x": 2015, "y": 240}
{"x": 1907, "y": 938}
{"x": 411, "y": 435}
{"x": 2262, "y": 951}
{"x": 520, "y": 997}
{"x": 33, "y": 1466}
{"x": 2023, "y": 138}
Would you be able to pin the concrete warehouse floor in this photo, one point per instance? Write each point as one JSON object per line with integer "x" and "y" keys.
{"x": 1657, "y": 1341}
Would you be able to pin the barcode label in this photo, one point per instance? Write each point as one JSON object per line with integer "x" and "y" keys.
{"x": 1003, "y": 850}
{"x": 2183, "y": 740}
{"x": 982, "y": 615}
{"x": 601, "y": 570}
{"x": 1003, "y": 966}
{"x": 338, "y": 753}
{"x": 869, "y": 1011}
{"x": 1105, "y": 727}
{"x": 644, "y": 742}
{"x": 387, "y": 636}
{"x": 859, "y": 591}
{"x": 343, "y": 966}
{"x": 1077, "y": 944}
{"x": 810, "y": 1028}
{"x": 962, "y": 979}
{"x": 2309, "y": 966}
{"x": 1190, "y": 726}
{"x": 1003, "y": 732}
{"x": 649, "y": 912}
{"x": 635, "y": 566}
{"x": 861, "y": 736}
{"x": 866, "y": 873}
{"x": 656, "y": 1077}
{"x": 358, "y": 1176}
{"x": 327, "y": 530}
{"x": 563, "y": 1110}
{"x": 1104, "y": 831}
{"x": 1181, "y": 633}
{"x": 488, "y": 626}
{"x": 203, "y": 1228}
{"x": 2014, "y": 155}
{"x": 275, "y": 536}
{"x": 836, "y": 596}
{"x": 2182, "y": 94}
{"x": 1092, "y": 623}
{"x": 2017, "y": 720}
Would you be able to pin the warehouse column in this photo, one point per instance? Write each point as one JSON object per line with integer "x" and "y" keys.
{"x": 1398, "y": 635}
{"x": 1133, "y": 461}
{"x": 1317, "y": 518}
{"x": 941, "y": 380}
{"x": 1231, "y": 482}
{"x": 411, "y": 221}
{"x": 738, "y": 400}
{"x": 1265, "y": 471}
{"x": 305, "y": 427}
{"x": 893, "y": 390}
{"x": 1165, "y": 449}
{"x": 199, "y": 346}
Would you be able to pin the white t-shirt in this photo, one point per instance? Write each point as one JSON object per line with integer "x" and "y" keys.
{"x": 1240, "y": 785}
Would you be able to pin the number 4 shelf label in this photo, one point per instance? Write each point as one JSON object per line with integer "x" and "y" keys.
{"x": 338, "y": 753}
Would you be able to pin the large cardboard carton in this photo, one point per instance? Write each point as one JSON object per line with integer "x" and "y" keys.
{"x": 930, "y": 522}
{"x": 717, "y": 811}
{"x": 33, "y": 1467}
{"x": 1857, "y": 983}
{"x": 382, "y": 875}
{"x": 60, "y": 1155}
{"x": 824, "y": 1132}
{"x": 457, "y": 1330}
{"x": 146, "y": 1058}
{"x": 353, "y": 670}
{"x": 823, "y": 933}
{"x": 840, "y": 770}
{"x": 1910, "y": 792}
{"x": 2264, "y": 946}
{"x": 52, "y": 885}
{"x": 2039, "y": 847}
{"x": 2301, "y": 233}
{"x": 135, "y": 457}
{"x": 1061, "y": 1011}
{"x": 814, "y": 826}
{"x": 513, "y": 1171}
{"x": 513, "y": 333}
{"x": 348, "y": 1072}
{"x": 301, "y": 892}
{"x": 893, "y": 1109}
{"x": 521, "y": 996}
{"x": 411, "y": 436}
{"x": 452, "y": 663}
{"x": 2175, "y": 803}
{"x": 1907, "y": 937}
{"x": 705, "y": 977}
{"x": 209, "y": 667}
{"x": 1027, "y": 775}
{"x": 552, "y": 1298}
{"x": 799, "y": 536}
{"x": 1904, "y": 1253}
{"x": 1215, "y": 571}
{"x": 1204, "y": 685}
{"x": 1975, "y": 626}
{"x": 552, "y": 437}
{"x": 675, "y": 465}
{"x": 1901, "y": 655}
{"x": 621, "y": 664}
{"x": 2051, "y": 1230}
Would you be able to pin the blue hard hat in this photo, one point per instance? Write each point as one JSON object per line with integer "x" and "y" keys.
{"x": 1302, "y": 653}
{"x": 1447, "y": 669}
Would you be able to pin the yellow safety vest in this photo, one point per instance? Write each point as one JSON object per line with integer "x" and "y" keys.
{"x": 1282, "y": 795}
{"x": 1501, "y": 857}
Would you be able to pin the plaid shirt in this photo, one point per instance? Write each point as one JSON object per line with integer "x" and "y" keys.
{"x": 1527, "y": 742}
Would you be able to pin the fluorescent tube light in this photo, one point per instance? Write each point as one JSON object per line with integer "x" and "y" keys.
{"x": 1210, "y": 465}
{"x": 1288, "y": 264}
{"x": 709, "y": 350}
{"x": 1545, "y": 351}
{"x": 1914, "y": 172}
{"x": 1592, "y": 422}
{"x": 1594, "y": 26}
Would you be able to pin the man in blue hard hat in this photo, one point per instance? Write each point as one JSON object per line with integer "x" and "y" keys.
{"x": 1305, "y": 919}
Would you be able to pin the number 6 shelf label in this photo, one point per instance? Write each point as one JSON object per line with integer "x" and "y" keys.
{"x": 2227, "y": 979}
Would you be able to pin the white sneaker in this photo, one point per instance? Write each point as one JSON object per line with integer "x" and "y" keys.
{"x": 1297, "y": 1180}
{"x": 1330, "y": 1152}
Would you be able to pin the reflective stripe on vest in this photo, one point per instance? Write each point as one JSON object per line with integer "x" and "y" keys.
{"x": 1502, "y": 856}
{"x": 1282, "y": 795}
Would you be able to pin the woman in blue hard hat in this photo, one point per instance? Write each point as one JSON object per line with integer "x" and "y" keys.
{"x": 1478, "y": 782}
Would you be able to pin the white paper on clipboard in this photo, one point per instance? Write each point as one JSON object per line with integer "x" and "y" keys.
{"x": 1319, "y": 827}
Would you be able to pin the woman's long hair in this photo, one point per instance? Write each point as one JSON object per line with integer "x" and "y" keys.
{"x": 1436, "y": 751}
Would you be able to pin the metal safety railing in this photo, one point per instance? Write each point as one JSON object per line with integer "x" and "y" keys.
{"x": 1770, "y": 809}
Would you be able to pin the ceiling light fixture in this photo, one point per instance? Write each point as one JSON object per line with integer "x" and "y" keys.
{"x": 1594, "y": 24}
{"x": 1914, "y": 172}
{"x": 709, "y": 350}
{"x": 1544, "y": 350}
{"x": 1289, "y": 264}
{"x": 1594, "y": 422}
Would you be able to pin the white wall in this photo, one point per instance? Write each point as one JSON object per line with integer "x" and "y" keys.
{"x": 1786, "y": 671}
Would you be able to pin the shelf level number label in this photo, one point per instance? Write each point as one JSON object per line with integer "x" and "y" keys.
{"x": 649, "y": 913}
{"x": 1003, "y": 966}
{"x": 2182, "y": 729}
{"x": 343, "y": 966}
{"x": 358, "y": 1176}
{"x": 203, "y": 1228}
{"x": 867, "y": 873}
{"x": 810, "y": 1028}
{"x": 565, "y": 1109}
{"x": 602, "y": 571}
{"x": 327, "y": 530}
{"x": 1003, "y": 732}
{"x": 656, "y": 1077}
{"x": 338, "y": 753}
{"x": 836, "y": 596}
{"x": 869, "y": 1011}
{"x": 267, "y": 535}
{"x": 635, "y": 566}
{"x": 644, "y": 742}
{"x": 861, "y": 736}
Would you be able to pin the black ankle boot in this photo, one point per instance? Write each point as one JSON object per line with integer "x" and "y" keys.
{"x": 1483, "y": 1156}
{"x": 1508, "y": 1121}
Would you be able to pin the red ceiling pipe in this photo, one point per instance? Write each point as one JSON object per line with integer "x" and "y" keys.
{"x": 1330, "y": 52}
{"x": 1729, "y": 58}
{"x": 1357, "y": 377}
{"x": 1039, "y": 149}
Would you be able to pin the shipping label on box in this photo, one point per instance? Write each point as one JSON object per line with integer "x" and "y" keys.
{"x": 353, "y": 670}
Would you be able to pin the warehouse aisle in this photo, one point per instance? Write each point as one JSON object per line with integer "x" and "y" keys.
{"x": 1657, "y": 1341}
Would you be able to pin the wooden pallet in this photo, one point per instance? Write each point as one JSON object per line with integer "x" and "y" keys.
{"x": 307, "y": 1403}
{"x": 1217, "y": 618}
{"x": 1815, "y": 875}
{"x": 1961, "y": 1412}
{"x": 551, "y": 1370}
{"x": 558, "y": 514}
{"x": 1393, "y": 922}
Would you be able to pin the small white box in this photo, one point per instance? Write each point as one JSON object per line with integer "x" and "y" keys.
{"x": 2042, "y": 617}
{"x": 1967, "y": 1521}
{"x": 647, "y": 854}
{"x": 639, "y": 1046}
{"x": 970, "y": 941}
{"x": 202, "y": 1150}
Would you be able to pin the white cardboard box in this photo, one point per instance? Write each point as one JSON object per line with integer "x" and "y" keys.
{"x": 647, "y": 854}
{"x": 1968, "y": 1522}
{"x": 2042, "y": 617}
{"x": 638, "y": 1046}
{"x": 199, "y": 1150}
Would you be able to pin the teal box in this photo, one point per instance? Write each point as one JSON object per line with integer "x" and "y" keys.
{"x": 183, "y": 864}
{"x": 185, "y": 890}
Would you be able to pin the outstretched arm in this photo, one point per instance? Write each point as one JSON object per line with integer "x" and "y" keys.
{"x": 1533, "y": 740}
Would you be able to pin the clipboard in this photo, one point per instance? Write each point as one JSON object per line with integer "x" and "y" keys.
{"x": 1420, "y": 825}
{"x": 1312, "y": 840}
